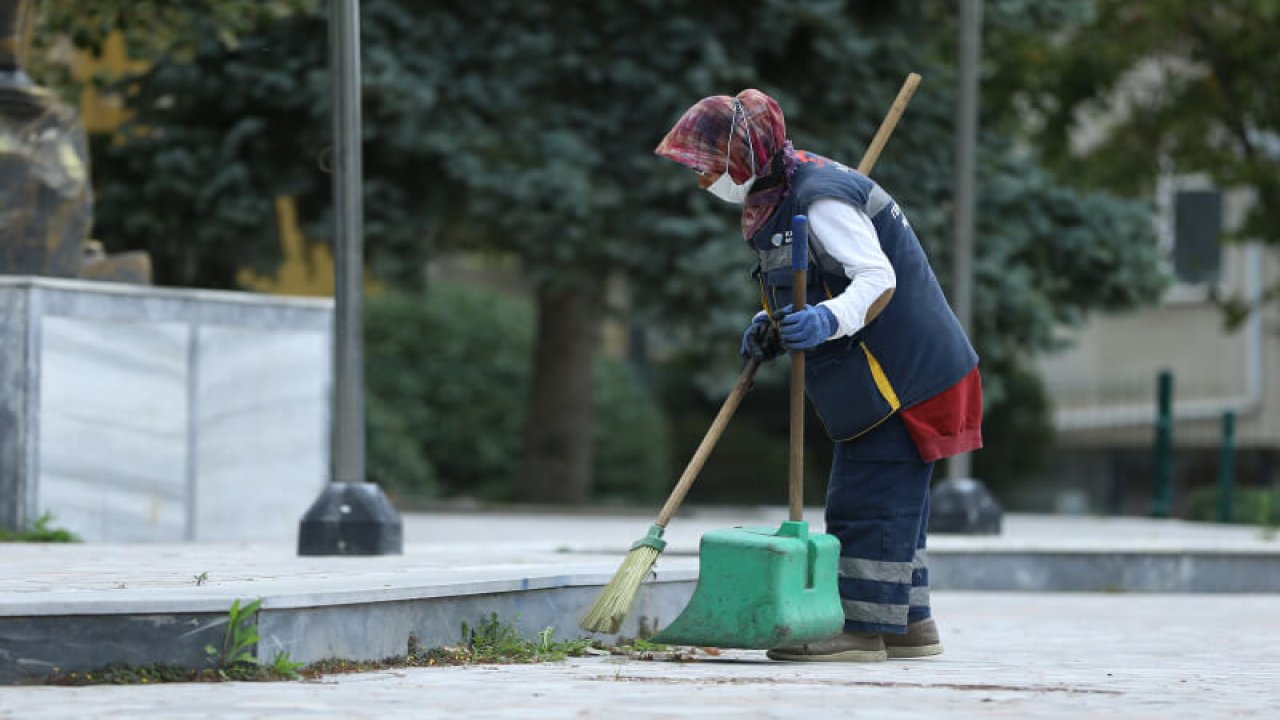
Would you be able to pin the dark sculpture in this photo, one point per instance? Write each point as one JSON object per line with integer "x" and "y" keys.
{"x": 46, "y": 199}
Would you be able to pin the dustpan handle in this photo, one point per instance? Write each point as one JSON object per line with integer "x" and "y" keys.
{"x": 799, "y": 294}
{"x": 799, "y": 262}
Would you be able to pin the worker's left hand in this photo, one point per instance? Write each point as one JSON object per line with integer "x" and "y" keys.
{"x": 808, "y": 328}
{"x": 761, "y": 342}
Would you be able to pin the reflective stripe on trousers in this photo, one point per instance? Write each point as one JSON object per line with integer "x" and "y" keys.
{"x": 878, "y": 507}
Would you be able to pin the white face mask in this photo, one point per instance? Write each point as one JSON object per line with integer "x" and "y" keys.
{"x": 724, "y": 187}
{"x": 729, "y": 191}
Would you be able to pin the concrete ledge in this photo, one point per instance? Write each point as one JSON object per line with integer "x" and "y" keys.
{"x": 294, "y": 594}
{"x": 34, "y": 646}
{"x": 139, "y": 605}
{"x": 373, "y": 631}
{"x": 1099, "y": 571}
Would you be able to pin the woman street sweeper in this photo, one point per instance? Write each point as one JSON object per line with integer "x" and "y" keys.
{"x": 889, "y": 369}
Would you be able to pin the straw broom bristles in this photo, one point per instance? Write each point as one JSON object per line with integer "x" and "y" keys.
{"x": 615, "y": 600}
{"x": 617, "y": 597}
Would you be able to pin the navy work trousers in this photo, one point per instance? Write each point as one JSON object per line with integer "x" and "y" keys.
{"x": 878, "y": 507}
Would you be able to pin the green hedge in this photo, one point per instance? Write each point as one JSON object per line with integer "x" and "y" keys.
{"x": 448, "y": 384}
{"x": 1251, "y": 506}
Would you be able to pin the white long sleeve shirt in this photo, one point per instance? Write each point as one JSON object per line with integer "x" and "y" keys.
{"x": 845, "y": 232}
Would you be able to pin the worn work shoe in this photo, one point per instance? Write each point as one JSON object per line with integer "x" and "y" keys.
{"x": 845, "y": 647}
{"x": 920, "y": 640}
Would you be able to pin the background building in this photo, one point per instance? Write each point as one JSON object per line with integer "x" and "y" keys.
{"x": 1104, "y": 387}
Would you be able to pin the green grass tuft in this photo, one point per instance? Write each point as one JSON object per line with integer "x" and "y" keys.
{"x": 39, "y": 532}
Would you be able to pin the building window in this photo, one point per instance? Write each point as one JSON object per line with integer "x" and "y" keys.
{"x": 1197, "y": 231}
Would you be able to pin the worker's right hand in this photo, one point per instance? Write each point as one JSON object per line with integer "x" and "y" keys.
{"x": 760, "y": 341}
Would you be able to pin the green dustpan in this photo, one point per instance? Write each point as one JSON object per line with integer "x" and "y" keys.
{"x": 760, "y": 588}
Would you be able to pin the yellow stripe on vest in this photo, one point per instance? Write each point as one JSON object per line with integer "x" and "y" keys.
{"x": 882, "y": 381}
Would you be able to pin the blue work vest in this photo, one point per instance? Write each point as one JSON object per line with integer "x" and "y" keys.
{"x": 912, "y": 351}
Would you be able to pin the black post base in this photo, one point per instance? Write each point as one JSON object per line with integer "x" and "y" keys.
{"x": 351, "y": 519}
{"x": 964, "y": 506}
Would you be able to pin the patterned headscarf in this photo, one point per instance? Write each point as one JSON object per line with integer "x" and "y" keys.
{"x": 701, "y": 136}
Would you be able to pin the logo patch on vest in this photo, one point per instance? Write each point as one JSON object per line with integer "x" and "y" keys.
{"x": 780, "y": 238}
{"x": 899, "y": 215}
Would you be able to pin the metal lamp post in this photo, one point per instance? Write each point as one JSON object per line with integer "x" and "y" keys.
{"x": 965, "y": 197}
{"x": 351, "y": 516}
{"x": 960, "y": 503}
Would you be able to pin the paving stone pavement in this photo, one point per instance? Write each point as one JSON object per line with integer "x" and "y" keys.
{"x": 1023, "y": 655}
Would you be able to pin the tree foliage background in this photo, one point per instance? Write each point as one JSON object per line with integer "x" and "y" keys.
{"x": 1170, "y": 88}
{"x": 526, "y": 128}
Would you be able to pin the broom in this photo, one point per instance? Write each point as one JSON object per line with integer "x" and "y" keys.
{"x": 615, "y": 600}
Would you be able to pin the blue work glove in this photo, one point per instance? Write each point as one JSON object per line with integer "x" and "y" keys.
{"x": 760, "y": 342}
{"x": 808, "y": 328}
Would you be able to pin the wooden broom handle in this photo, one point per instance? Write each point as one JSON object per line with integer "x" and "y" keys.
{"x": 890, "y": 121}
{"x": 730, "y": 405}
